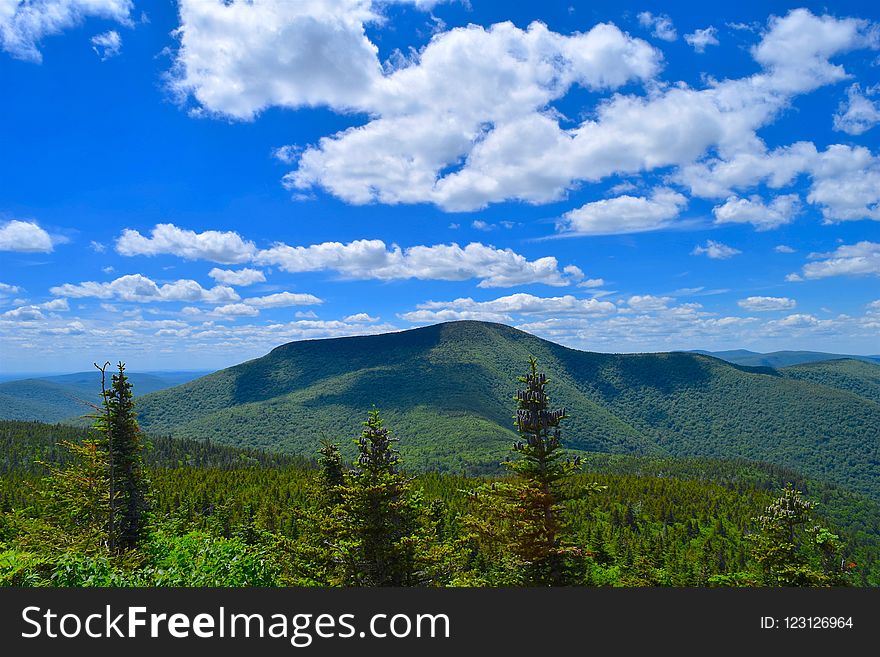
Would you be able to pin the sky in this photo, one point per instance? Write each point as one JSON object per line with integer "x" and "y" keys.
{"x": 186, "y": 185}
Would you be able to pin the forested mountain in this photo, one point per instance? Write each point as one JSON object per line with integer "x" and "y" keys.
{"x": 778, "y": 359}
{"x": 54, "y": 398}
{"x": 447, "y": 389}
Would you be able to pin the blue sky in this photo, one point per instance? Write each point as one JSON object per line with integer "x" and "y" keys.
{"x": 187, "y": 185}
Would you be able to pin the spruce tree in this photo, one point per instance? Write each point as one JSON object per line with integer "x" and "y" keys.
{"x": 380, "y": 518}
{"x": 542, "y": 465}
{"x": 122, "y": 442}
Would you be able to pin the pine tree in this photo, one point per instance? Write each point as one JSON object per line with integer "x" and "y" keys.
{"x": 128, "y": 486}
{"x": 332, "y": 472}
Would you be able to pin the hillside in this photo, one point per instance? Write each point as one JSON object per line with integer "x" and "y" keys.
{"x": 778, "y": 359}
{"x": 858, "y": 377}
{"x": 446, "y": 391}
{"x": 54, "y": 398}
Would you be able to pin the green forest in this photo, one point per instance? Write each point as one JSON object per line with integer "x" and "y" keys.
{"x": 110, "y": 505}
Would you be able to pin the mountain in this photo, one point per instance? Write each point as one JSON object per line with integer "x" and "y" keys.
{"x": 54, "y": 398}
{"x": 445, "y": 391}
{"x": 780, "y": 358}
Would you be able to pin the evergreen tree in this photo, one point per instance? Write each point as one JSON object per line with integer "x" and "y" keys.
{"x": 791, "y": 553}
{"x": 122, "y": 442}
{"x": 519, "y": 524}
{"x": 77, "y": 505}
{"x": 380, "y": 518}
{"x": 332, "y": 471}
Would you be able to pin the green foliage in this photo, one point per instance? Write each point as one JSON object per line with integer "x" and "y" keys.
{"x": 790, "y": 551}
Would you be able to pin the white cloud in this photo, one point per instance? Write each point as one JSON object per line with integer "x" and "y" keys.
{"x": 8, "y": 290}
{"x": 716, "y": 250}
{"x": 216, "y": 246}
{"x": 24, "y": 24}
{"x": 699, "y": 39}
{"x": 661, "y": 24}
{"x": 846, "y": 184}
{"x": 305, "y": 314}
{"x": 473, "y": 98}
{"x": 33, "y": 312}
{"x": 361, "y": 317}
{"x": 624, "y": 214}
{"x": 360, "y": 259}
{"x": 235, "y": 310}
{"x": 238, "y": 58}
{"x": 860, "y": 259}
{"x": 25, "y": 237}
{"x": 136, "y": 287}
{"x": 592, "y": 282}
{"x": 282, "y": 300}
{"x": 762, "y": 304}
{"x": 372, "y": 259}
{"x": 858, "y": 113}
{"x": 781, "y": 210}
{"x": 107, "y": 44}
{"x": 504, "y": 308}
{"x": 521, "y": 151}
{"x": 648, "y": 302}
{"x": 240, "y": 278}
{"x": 97, "y": 247}
{"x": 783, "y": 248}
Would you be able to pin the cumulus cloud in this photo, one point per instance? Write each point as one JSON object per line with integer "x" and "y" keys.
{"x": 232, "y": 310}
{"x": 223, "y": 247}
{"x": 783, "y": 248}
{"x": 372, "y": 259}
{"x": 592, "y": 282}
{"x": 753, "y": 210}
{"x": 624, "y": 214}
{"x": 699, "y": 39}
{"x": 24, "y": 24}
{"x": 858, "y": 113}
{"x": 8, "y": 290}
{"x": 107, "y": 45}
{"x": 361, "y": 317}
{"x": 661, "y": 25}
{"x": 283, "y": 299}
{"x": 360, "y": 259}
{"x": 428, "y": 155}
{"x": 25, "y": 237}
{"x": 763, "y": 304}
{"x": 715, "y": 250}
{"x": 238, "y": 278}
{"x": 33, "y": 312}
{"x": 860, "y": 259}
{"x": 504, "y": 308}
{"x": 136, "y": 287}
{"x": 646, "y": 302}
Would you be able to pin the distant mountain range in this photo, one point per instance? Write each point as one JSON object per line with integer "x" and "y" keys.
{"x": 446, "y": 391}
{"x": 779, "y": 358}
{"x": 55, "y": 398}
